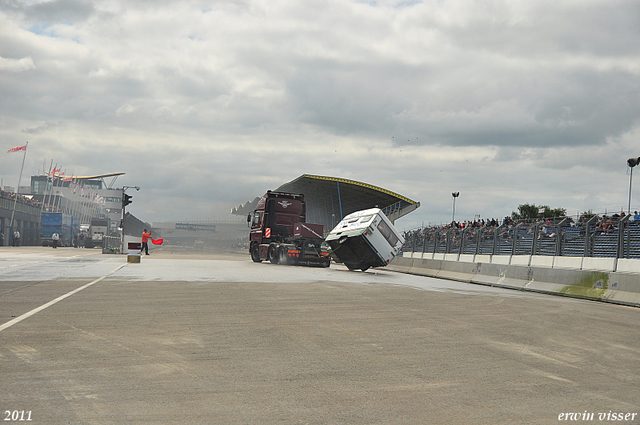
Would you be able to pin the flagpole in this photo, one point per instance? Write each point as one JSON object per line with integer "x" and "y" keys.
{"x": 46, "y": 186}
{"x": 53, "y": 184}
{"x": 15, "y": 201}
{"x": 47, "y": 190}
{"x": 59, "y": 196}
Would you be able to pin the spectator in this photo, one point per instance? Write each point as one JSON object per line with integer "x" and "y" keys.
{"x": 145, "y": 242}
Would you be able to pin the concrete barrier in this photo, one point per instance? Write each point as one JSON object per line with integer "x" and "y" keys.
{"x": 466, "y": 258}
{"x": 482, "y": 258}
{"x": 451, "y": 257}
{"x": 455, "y": 270}
{"x": 574, "y": 263}
{"x": 627, "y": 265}
{"x": 541, "y": 261}
{"x": 425, "y": 267}
{"x": 574, "y": 283}
{"x": 598, "y": 263}
{"x": 564, "y": 278}
{"x": 520, "y": 260}
{"x": 501, "y": 259}
{"x": 623, "y": 288}
{"x": 504, "y": 276}
{"x": 401, "y": 264}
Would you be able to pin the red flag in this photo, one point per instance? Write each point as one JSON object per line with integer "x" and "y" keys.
{"x": 157, "y": 241}
{"x": 17, "y": 149}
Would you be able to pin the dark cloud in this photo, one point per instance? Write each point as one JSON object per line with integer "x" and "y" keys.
{"x": 60, "y": 11}
{"x": 42, "y": 128}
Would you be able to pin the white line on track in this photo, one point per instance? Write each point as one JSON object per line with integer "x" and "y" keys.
{"x": 50, "y": 303}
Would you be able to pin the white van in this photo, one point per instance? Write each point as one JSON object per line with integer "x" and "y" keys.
{"x": 365, "y": 239}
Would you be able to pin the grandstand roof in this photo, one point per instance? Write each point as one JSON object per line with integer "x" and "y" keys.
{"x": 331, "y": 198}
{"x": 97, "y": 176}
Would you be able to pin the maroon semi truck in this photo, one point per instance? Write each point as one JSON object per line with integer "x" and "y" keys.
{"x": 281, "y": 235}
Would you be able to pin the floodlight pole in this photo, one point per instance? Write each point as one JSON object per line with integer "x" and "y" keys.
{"x": 630, "y": 180}
{"x": 631, "y": 162}
{"x": 454, "y": 195}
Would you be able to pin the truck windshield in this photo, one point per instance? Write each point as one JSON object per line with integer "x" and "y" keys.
{"x": 256, "y": 219}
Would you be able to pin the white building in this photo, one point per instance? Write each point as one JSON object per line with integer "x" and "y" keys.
{"x": 85, "y": 197}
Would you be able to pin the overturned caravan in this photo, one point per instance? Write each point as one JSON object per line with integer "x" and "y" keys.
{"x": 364, "y": 239}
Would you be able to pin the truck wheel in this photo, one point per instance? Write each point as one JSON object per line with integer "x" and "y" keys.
{"x": 364, "y": 269}
{"x": 326, "y": 264}
{"x": 273, "y": 254}
{"x": 284, "y": 260}
{"x": 255, "y": 253}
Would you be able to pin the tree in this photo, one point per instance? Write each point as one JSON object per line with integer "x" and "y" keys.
{"x": 587, "y": 214}
{"x": 531, "y": 212}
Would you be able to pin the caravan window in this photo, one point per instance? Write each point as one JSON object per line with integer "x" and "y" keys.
{"x": 366, "y": 219}
{"x": 388, "y": 233}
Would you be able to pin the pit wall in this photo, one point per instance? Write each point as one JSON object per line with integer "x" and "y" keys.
{"x": 602, "y": 279}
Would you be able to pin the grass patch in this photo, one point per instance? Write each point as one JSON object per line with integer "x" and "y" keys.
{"x": 593, "y": 285}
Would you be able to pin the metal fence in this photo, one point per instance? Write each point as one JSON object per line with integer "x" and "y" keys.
{"x": 597, "y": 237}
{"x": 111, "y": 244}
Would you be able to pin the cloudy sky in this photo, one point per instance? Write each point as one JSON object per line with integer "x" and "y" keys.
{"x": 207, "y": 104}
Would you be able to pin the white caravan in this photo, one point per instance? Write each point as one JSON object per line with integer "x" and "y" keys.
{"x": 365, "y": 239}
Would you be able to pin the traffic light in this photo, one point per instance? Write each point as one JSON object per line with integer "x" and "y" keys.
{"x": 126, "y": 200}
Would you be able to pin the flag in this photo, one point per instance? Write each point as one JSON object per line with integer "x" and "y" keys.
{"x": 157, "y": 241}
{"x": 18, "y": 149}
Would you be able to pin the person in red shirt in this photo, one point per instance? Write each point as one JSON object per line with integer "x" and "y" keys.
{"x": 145, "y": 242}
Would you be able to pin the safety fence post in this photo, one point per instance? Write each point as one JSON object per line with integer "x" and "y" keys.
{"x": 622, "y": 223}
{"x": 559, "y": 236}
{"x": 588, "y": 242}
{"x": 516, "y": 239}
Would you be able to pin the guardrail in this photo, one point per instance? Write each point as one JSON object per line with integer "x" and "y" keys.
{"x": 617, "y": 238}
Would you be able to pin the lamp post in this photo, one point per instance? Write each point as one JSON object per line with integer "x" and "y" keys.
{"x": 631, "y": 162}
{"x": 126, "y": 200}
{"x": 455, "y": 195}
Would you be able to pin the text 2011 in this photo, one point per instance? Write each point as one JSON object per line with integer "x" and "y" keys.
{"x": 17, "y": 415}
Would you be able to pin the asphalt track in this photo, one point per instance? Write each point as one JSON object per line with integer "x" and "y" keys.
{"x": 213, "y": 338}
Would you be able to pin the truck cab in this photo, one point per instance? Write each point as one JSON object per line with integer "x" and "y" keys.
{"x": 280, "y": 234}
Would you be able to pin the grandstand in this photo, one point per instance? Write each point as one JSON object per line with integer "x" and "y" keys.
{"x": 26, "y": 218}
{"x": 616, "y": 236}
